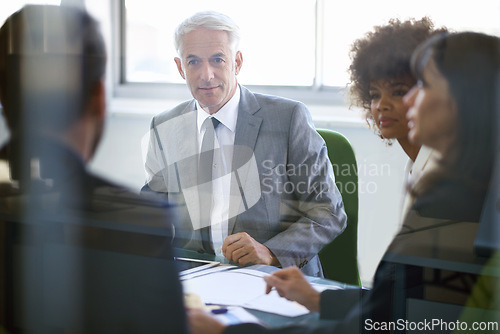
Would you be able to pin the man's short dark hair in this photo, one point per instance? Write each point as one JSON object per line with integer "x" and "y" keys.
{"x": 51, "y": 58}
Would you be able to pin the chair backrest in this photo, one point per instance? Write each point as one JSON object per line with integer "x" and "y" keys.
{"x": 339, "y": 258}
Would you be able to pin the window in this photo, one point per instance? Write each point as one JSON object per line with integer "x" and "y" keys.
{"x": 272, "y": 39}
{"x": 284, "y": 42}
{"x": 346, "y": 21}
{"x": 293, "y": 48}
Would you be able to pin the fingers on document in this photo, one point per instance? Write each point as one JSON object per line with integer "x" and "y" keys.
{"x": 269, "y": 283}
{"x": 274, "y": 282}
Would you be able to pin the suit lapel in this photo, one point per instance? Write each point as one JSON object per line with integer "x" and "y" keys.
{"x": 182, "y": 134}
{"x": 248, "y": 125}
{"x": 247, "y": 131}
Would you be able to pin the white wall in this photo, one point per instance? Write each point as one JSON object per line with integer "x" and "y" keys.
{"x": 381, "y": 171}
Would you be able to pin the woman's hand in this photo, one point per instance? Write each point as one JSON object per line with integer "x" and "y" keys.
{"x": 291, "y": 284}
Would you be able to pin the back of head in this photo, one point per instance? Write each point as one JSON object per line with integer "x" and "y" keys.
{"x": 50, "y": 57}
{"x": 208, "y": 20}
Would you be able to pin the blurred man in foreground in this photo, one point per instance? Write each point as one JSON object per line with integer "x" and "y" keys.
{"x": 83, "y": 254}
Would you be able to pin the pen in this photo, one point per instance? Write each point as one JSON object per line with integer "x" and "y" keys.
{"x": 219, "y": 310}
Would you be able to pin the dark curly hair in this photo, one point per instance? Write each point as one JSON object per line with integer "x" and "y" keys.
{"x": 384, "y": 53}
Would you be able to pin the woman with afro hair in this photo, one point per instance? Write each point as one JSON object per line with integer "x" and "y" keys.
{"x": 380, "y": 76}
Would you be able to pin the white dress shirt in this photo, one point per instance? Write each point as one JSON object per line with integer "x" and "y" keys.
{"x": 425, "y": 160}
{"x": 224, "y": 141}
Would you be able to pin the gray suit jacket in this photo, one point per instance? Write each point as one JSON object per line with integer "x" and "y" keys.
{"x": 283, "y": 192}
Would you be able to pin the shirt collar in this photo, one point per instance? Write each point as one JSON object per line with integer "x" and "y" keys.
{"x": 227, "y": 115}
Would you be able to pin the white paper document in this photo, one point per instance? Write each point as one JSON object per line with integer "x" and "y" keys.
{"x": 241, "y": 287}
{"x": 273, "y": 303}
{"x": 206, "y": 272}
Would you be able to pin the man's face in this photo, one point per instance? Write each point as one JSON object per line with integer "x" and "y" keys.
{"x": 209, "y": 68}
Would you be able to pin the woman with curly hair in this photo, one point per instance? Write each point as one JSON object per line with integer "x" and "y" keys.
{"x": 381, "y": 76}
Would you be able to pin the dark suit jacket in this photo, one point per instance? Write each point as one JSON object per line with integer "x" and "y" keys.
{"x": 86, "y": 255}
{"x": 284, "y": 192}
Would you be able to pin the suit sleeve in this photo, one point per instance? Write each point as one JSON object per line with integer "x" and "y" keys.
{"x": 154, "y": 163}
{"x": 315, "y": 202}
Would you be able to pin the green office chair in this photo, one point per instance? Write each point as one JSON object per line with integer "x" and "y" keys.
{"x": 339, "y": 258}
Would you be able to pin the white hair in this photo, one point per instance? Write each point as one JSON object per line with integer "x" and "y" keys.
{"x": 208, "y": 20}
